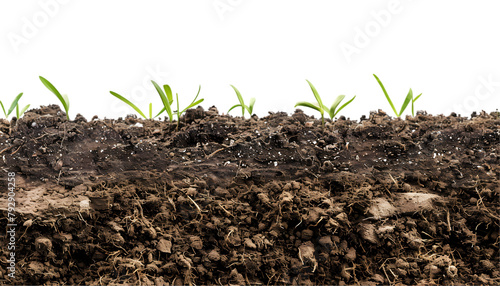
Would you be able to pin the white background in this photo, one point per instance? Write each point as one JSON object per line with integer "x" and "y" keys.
{"x": 447, "y": 50}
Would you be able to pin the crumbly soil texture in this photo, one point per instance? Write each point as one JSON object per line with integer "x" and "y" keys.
{"x": 274, "y": 200}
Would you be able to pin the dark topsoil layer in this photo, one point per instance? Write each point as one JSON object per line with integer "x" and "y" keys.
{"x": 271, "y": 200}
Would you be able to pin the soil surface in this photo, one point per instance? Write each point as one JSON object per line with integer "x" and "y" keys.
{"x": 273, "y": 200}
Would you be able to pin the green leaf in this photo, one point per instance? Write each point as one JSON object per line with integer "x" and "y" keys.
{"x": 66, "y": 99}
{"x": 310, "y": 105}
{"x": 63, "y": 99}
{"x": 177, "y": 111}
{"x": 417, "y": 97}
{"x": 193, "y": 103}
{"x": 161, "y": 111}
{"x": 413, "y": 104}
{"x": 233, "y": 107}
{"x": 336, "y": 103}
{"x": 238, "y": 94}
{"x": 128, "y": 102}
{"x": 22, "y": 111}
{"x": 150, "y": 110}
{"x": 386, "y": 95}
{"x": 164, "y": 99}
{"x": 14, "y": 103}
{"x": 316, "y": 95}
{"x": 250, "y": 105}
{"x": 3, "y": 108}
{"x": 344, "y": 105}
{"x": 168, "y": 92}
{"x": 408, "y": 98}
{"x": 240, "y": 99}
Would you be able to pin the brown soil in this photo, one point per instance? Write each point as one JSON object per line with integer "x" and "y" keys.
{"x": 271, "y": 200}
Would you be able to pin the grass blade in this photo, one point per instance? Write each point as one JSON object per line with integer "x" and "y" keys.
{"x": 161, "y": 111}
{"x": 63, "y": 99}
{"x": 417, "y": 97}
{"x": 164, "y": 99}
{"x": 19, "y": 114}
{"x": 336, "y": 103}
{"x": 240, "y": 99}
{"x": 250, "y": 105}
{"x": 193, "y": 103}
{"x": 177, "y": 111}
{"x": 168, "y": 92}
{"x": 344, "y": 105}
{"x": 129, "y": 103}
{"x": 316, "y": 94}
{"x": 14, "y": 103}
{"x": 238, "y": 94}
{"x": 408, "y": 98}
{"x": 308, "y": 104}
{"x": 3, "y": 108}
{"x": 233, "y": 107}
{"x": 413, "y": 104}
{"x": 66, "y": 99}
{"x": 386, "y": 95}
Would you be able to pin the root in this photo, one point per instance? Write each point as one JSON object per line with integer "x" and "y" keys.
{"x": 16, "y": 150}
{"x": 448, "y": 220}
{"x": 64, "y": 134}
{"x": 480, "y": 202}
{"x": 198, "y": 207}
{"x": 225, "y": 210}
{"x": 215, "y": 152}
{"x": 6, "y": 149}
{"x": 395, "y": 183}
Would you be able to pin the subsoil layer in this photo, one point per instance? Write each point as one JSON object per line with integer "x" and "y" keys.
{"x": 273, "y": 200}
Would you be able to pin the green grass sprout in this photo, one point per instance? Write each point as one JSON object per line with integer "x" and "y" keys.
{"x": 137, "y": 108}
{"x": 193, "y": 103}
{"x": 15, "y": 105}
{"x": 20, "y": 113}
{"x": 167, "y": 99}
{"x": 409, "y": 98}
{"x": 62, "y": 98}
{"x": 413, "y": 104}
{"x": 242, "y": 104}
{"x": 319, "y": 106}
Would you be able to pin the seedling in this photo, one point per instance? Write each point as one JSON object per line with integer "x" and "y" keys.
{"x": 167, "y": 99}
{"x": 409, "y": 98}
{"x": 319, "y": 106}
{"x": 242, "y": 104}
{"x": 15, "y": 104}
{"x": 137, "y": 108}
{"x": 62, "y": 98}
{"x": 192, "y": 104}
